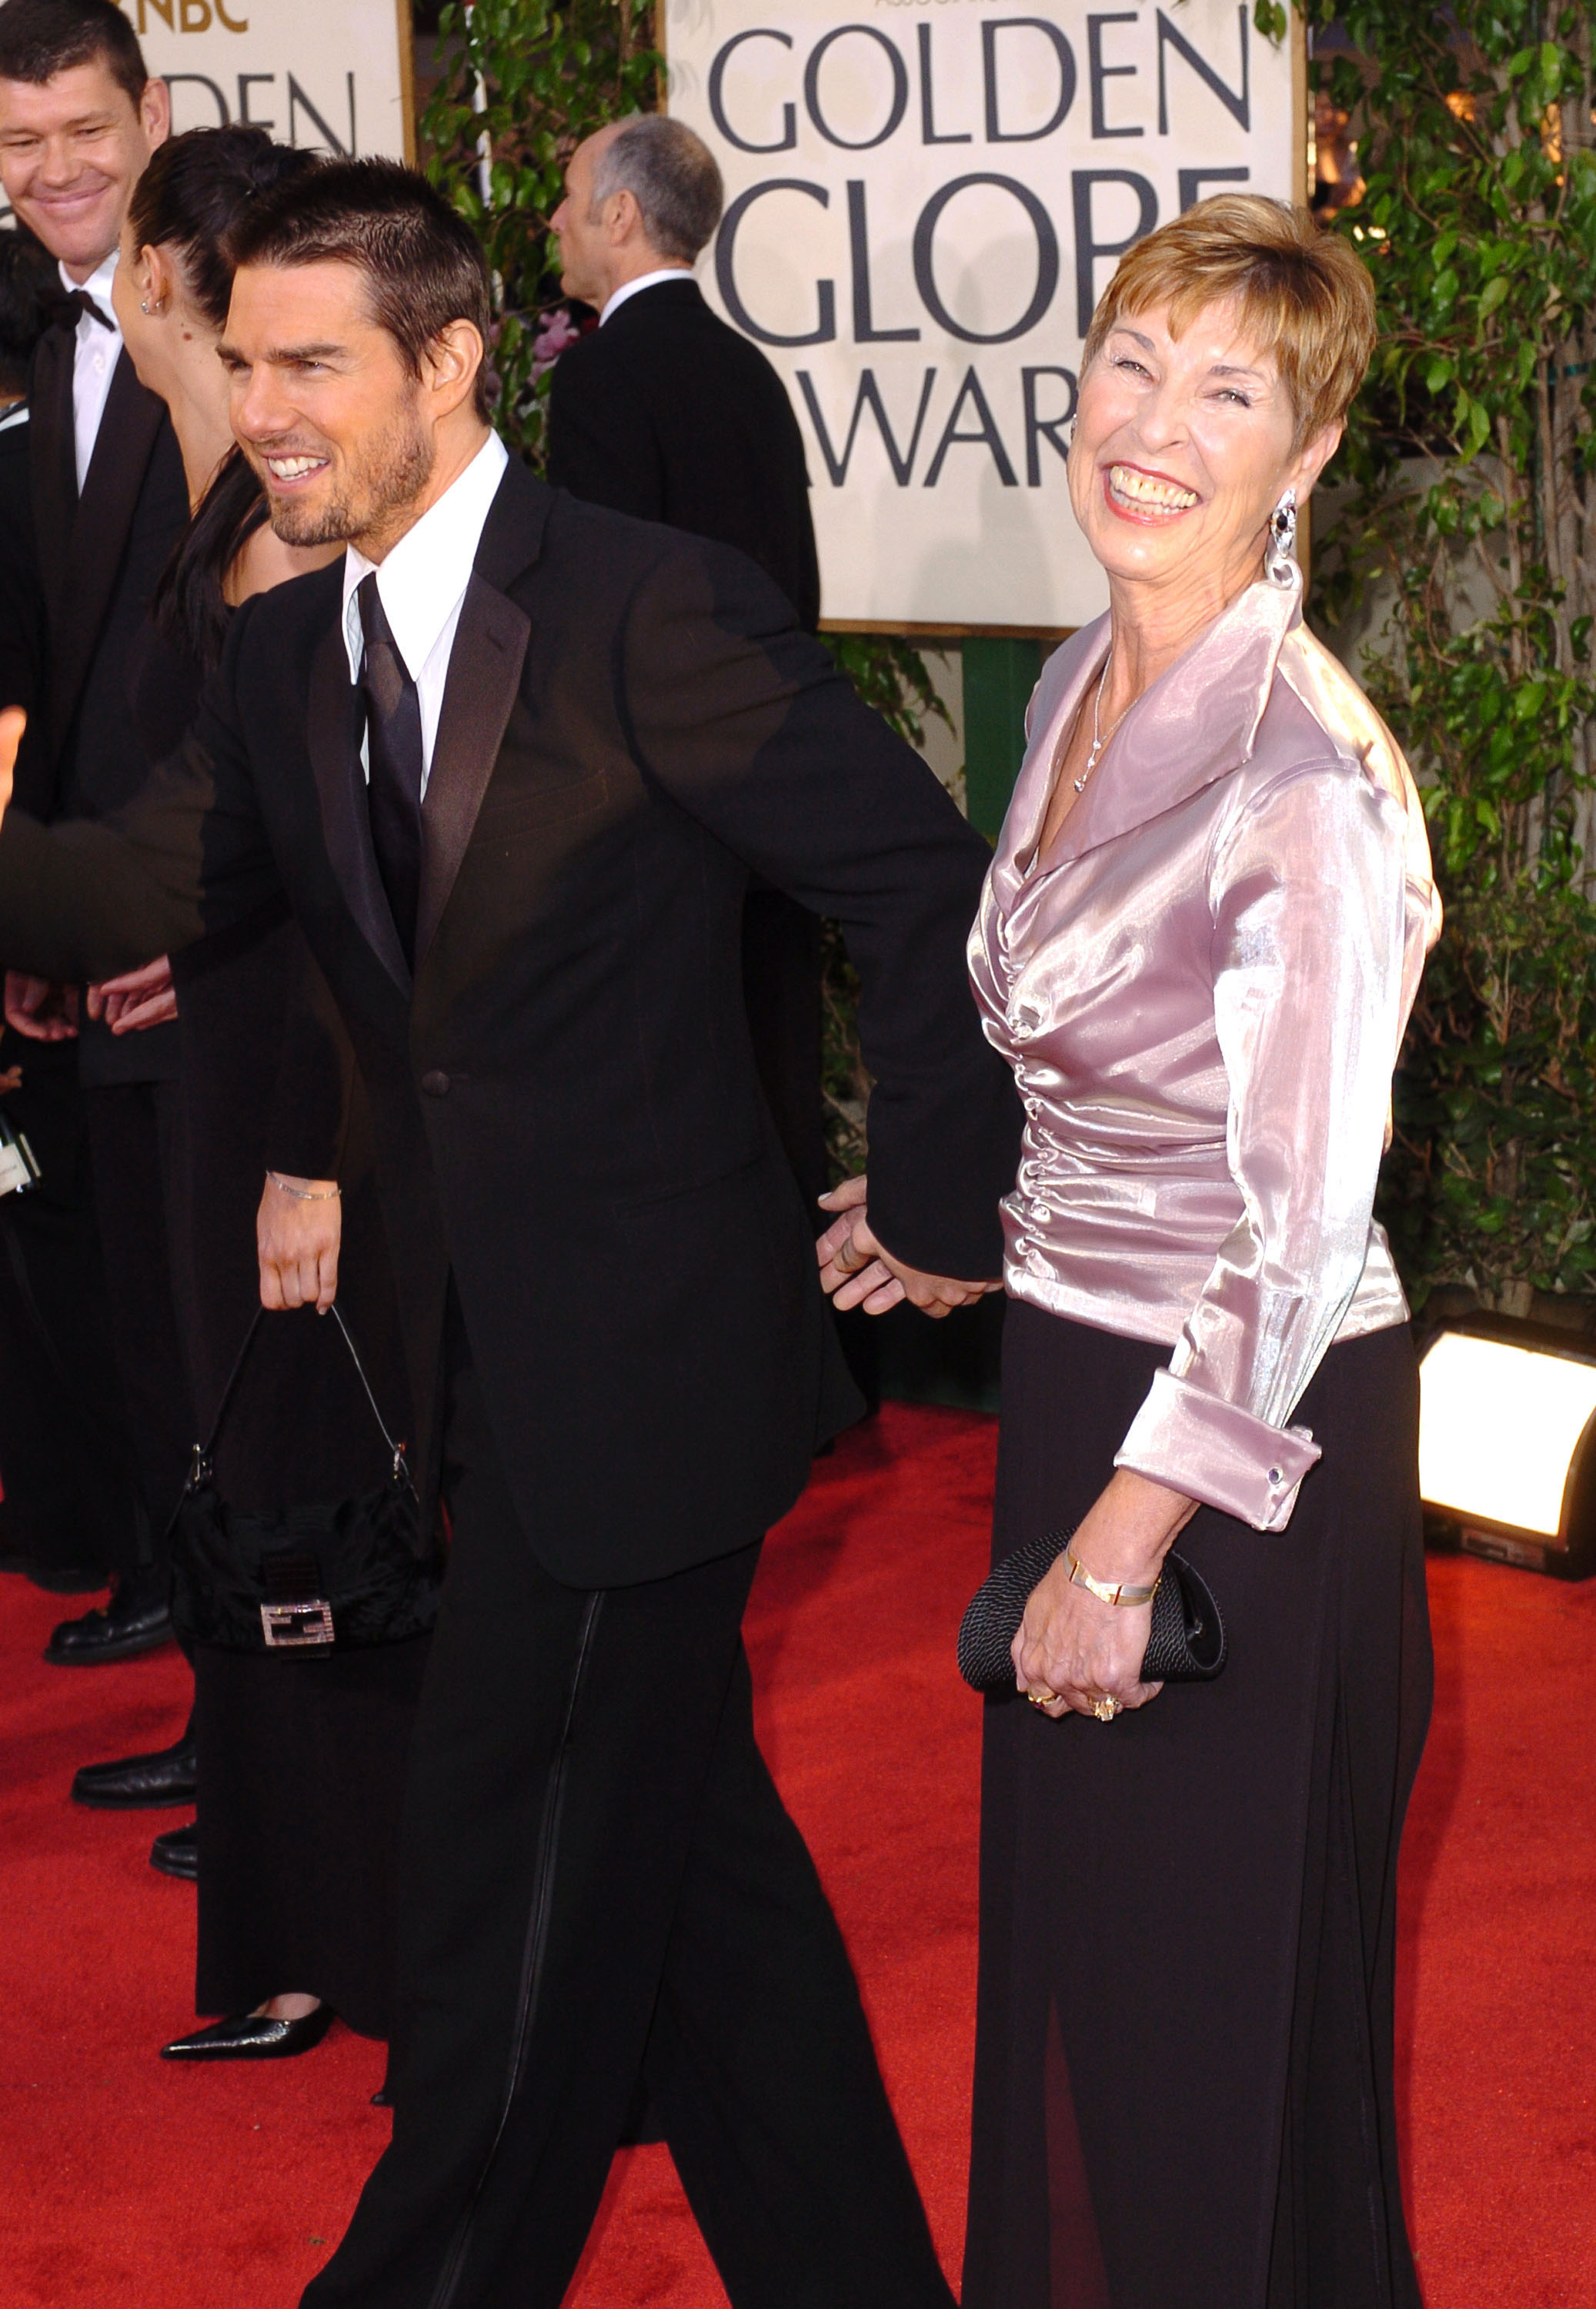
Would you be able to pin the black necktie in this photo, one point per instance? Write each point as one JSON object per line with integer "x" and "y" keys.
{"x": 393, "y": 757}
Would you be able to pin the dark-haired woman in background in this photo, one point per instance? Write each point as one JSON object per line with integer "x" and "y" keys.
{"x": 300, "y": 1760}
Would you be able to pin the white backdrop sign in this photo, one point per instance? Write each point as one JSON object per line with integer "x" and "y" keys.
{"x": 924, "y": 198}
{"x": 333, "y": 75}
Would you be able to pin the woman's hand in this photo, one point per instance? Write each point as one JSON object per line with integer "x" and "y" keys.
{"x": 1072, "y": 1646}
{"x": 138, "y": 999}
{"x": 856, "y": 1271}
{"x": 297, "y": 1241}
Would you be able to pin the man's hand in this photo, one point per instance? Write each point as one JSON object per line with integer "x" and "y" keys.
{"x": 856, "y": 1271}
{"x": 138, "y": 999}
{"x": 34, "y": 1006}
{"x": 13, "y": 722}
{"x": 39, "y": 1009}
{"x": 297, "y": 1236}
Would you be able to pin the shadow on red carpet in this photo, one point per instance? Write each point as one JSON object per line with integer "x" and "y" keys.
{"x": 128, "y": 2183}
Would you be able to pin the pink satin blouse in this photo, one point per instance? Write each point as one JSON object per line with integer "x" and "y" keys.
{"x": 1203, "y": 989}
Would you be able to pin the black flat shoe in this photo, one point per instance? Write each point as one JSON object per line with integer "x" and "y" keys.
{"x": 166, "y": 1777}
{"x": 252, "y": 2036}
{"x": 177, "y": 1853}
{"x": 137, "y": 1619}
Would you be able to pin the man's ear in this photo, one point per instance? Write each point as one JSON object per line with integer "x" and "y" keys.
{"x": 625, "y": 218}
{"x": 155, "y": 112}
{"x": 450, "y": 363}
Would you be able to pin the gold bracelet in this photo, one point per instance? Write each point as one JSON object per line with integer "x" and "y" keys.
{"x": 305, "y": 1194}
{"x": 1108, "y": 1592}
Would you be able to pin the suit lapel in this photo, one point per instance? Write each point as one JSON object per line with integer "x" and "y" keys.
{"x": 122, "y": 448}
{"x": 484, "y": 676}
{"x": 333, "y": 735}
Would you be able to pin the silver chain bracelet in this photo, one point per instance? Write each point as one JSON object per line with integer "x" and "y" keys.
{"x": 305, "y": 1194}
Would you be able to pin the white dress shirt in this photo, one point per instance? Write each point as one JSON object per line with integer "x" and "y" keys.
{"x": 643, "y": 280}
{"x": 422, "y": 583}
{"x": 94, "y": 360}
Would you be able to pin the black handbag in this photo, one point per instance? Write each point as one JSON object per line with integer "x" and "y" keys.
{"x": 1186, "y": 1644}
{"x": 347, "y": 1575}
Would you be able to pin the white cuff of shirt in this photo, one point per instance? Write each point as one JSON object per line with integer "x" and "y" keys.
{"x": 1212, "y": 1450}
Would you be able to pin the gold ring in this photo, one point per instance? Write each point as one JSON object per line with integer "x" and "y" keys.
{"x": 1104, "y": 1709}
{"x": 1041, "y": 1698}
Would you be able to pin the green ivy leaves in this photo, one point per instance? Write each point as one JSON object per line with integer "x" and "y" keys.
{"x": 1472, "y": 470}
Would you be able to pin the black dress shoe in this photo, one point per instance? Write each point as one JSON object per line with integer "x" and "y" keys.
{"x": 137, "y": 1619}
{"x": 252, "y": 2037}
{"x": 166, "y": 1778}
{"x": 177, "y": 1853}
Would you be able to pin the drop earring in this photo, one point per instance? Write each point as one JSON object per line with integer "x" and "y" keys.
{"x": 1280, "y": 555}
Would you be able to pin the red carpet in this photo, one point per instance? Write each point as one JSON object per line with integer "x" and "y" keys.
{"x": 127, "y": 2184}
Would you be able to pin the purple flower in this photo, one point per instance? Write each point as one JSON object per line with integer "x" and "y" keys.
{"x": 555, "y": 331}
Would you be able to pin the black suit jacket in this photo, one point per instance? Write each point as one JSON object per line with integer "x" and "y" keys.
{"x": 99, "y": 561}
{"x": 667, "y": 413}
{"x": 22, "y": 615}
{"x": 567, "y": 1104}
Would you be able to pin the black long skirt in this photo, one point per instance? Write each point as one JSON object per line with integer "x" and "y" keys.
{"x": 302, "y": 1769}
{"x": 301, "y": 1759}
{"x": 1184, "y": 2093}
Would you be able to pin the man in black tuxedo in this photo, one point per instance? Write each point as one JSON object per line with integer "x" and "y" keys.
{"x": 662, "y": 410}
{"x": 79, "y": 117}
{"x": 665, "y": 412}
{"x": 63, "y": 1453}
{"x": 513, "y": 761}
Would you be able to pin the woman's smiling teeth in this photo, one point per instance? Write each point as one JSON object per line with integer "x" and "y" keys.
{"x": 293, "y": 469}
{"x": 1147, "y": 493}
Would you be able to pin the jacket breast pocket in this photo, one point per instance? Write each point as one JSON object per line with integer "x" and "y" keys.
{"x": 526, "y": 815}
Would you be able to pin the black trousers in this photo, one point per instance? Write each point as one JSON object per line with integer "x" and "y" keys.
{"x": 600, "y": 1889}
{"x": 65, "y": 1450}
{"x": 131, "y": 1128}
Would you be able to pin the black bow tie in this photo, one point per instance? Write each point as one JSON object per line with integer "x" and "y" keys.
{"x": 82, "y": 301}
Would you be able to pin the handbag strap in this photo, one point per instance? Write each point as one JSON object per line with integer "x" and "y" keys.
{"x": 200, "y": 1466}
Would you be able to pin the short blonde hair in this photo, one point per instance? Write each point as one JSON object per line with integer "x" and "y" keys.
{"x": 1300, "y": 292}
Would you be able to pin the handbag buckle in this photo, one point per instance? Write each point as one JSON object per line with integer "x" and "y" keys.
{"x": 288, "y": 1627}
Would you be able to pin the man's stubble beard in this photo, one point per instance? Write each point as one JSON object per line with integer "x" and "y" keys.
{"x": 392, "y": 475}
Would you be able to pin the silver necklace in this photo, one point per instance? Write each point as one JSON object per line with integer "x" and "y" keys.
{"x": 1100, "y": 738}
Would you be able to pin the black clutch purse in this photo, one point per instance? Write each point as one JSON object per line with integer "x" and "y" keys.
{"x": 1186, "y": 1644}
{"x": 349, "y": 1573}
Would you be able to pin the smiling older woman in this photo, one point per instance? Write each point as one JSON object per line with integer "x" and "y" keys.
{"x": 1198, "y": 946}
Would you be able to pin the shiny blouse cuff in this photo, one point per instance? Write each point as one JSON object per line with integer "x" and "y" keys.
{"x": 1205, "y": 1448}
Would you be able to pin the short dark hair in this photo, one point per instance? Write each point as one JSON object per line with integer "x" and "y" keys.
{"x": 422, "y": 261}
{"x": 196, "y": 191}
{"x": 31, "y": 295}
{"x": 41, "y": 38}
{"x": 672, "y": 175}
